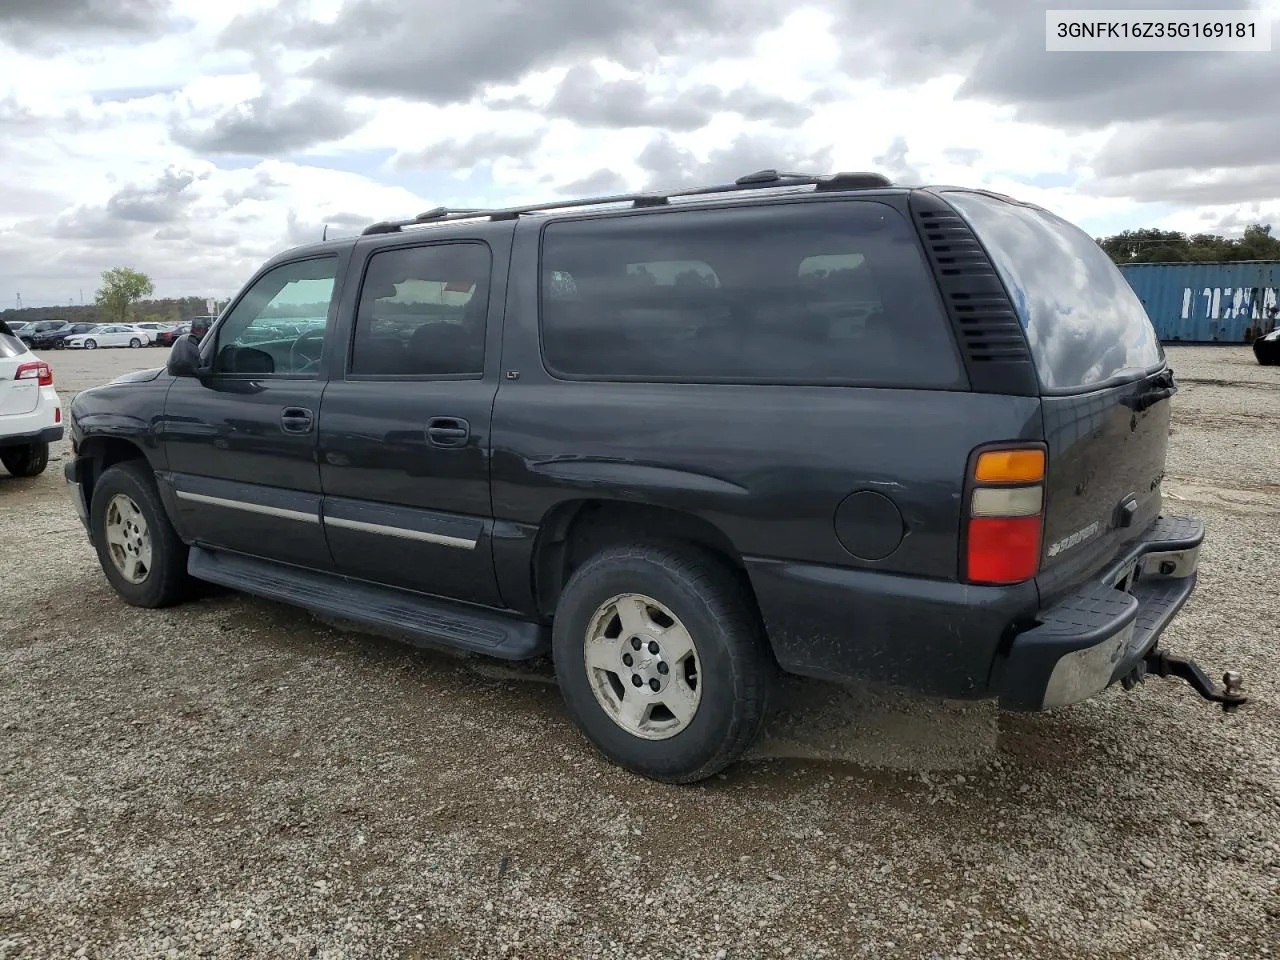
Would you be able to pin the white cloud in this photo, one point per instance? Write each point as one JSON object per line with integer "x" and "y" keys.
{"x": 97, "y": 132}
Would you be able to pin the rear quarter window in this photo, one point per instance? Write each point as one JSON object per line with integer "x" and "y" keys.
{"x": 828, "y": 292}
{"x": 1084, "y": 324}
{"x": 10, "y": 345}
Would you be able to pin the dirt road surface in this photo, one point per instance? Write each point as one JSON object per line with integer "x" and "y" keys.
{"x": 235, "y": 779}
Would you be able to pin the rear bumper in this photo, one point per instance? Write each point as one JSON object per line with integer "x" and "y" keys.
{"x": 1099, "y": 634}
{"x": 43, "y": 435}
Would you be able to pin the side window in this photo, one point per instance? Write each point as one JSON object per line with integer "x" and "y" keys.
{"x": 834, "y": 292}
{"x": 278, "y": 327}
{"x": 422, "y": 312}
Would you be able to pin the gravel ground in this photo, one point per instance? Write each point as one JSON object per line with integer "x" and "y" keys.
{"x": 234, "y": 778}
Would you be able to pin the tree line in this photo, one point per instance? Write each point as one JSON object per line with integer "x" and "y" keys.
{"x": 1149, "y": 245}
{"x": 122, "y": 297}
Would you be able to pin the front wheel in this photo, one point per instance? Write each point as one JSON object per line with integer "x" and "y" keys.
{"x": 28, "y": 460}
{"x": 135, "y": 343}
{"x": 142, "y": 555}
{"x": 662, "y": 661}
{"x": 91, "y": 344}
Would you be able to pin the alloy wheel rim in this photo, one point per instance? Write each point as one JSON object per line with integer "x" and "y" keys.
{"x": 643, "y": 666}
{"x": 128, "y": 538}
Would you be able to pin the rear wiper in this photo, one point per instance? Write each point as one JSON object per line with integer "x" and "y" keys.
{"x": 1160, "y": 387}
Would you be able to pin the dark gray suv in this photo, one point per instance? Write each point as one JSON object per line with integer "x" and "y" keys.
{"x": 679, "y": 442}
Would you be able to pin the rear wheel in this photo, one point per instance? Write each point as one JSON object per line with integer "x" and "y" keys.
{"x": 662, "y": 660}
{"x": 142, "y": 555}
{"x": 29, "y": 460}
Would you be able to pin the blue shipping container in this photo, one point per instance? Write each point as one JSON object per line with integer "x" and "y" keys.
{"x": 1206, "y": 302}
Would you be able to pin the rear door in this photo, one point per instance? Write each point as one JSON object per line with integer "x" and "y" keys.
{"x": 1105, "y": 384}
{"x": 405, "y": 431}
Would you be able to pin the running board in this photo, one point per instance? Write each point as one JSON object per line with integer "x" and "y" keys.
{"x": 421, "y": 620}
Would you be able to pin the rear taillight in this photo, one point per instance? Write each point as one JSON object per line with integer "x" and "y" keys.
{"x": 1004, "y": 515}
{"x": 36, "y": 370}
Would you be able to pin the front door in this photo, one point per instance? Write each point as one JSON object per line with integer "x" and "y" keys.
{"x": 404, "y": 436}
{"x": 241, "y": 440}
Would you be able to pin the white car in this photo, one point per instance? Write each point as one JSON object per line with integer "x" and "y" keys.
{"x": 110, "y": 335}
{"x": 30, "y": 410}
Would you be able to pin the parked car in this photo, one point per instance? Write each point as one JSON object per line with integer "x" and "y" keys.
{"x": 33, "y": 330}
{"x": 109, "y": 335}
{"x": 680, "y": 442}
{"x": 57, "y": 339}
{"x": 1266, "y": 348}
{"x": 165, "y": 338}
{"x": 155, "y": 329}
{"x": 30, "y": 409}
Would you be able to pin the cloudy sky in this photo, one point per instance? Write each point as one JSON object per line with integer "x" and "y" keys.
{"x": 193, "y": 138}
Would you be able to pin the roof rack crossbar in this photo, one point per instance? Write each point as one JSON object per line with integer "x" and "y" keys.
{"x": 761, "y": 179}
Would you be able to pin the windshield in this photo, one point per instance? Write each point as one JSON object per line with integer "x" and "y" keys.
{"x": 1084, "y": 323}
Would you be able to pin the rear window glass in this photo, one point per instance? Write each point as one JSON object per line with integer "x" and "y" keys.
{"x": 829, "y": 292}
{"x": 10, "y": 345}
{"x": 1083, "y": 321}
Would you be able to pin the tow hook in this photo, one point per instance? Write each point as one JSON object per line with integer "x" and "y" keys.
{"x": 1161, "y": 664}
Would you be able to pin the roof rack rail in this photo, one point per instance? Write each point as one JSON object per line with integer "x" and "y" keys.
{"x": 752, "y": 181}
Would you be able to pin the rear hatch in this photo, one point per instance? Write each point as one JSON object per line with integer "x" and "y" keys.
{"x": 16, "y": 396}
{"x": 1106, "y": 388}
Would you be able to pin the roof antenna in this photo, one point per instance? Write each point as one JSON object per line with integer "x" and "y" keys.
{"x": 325, "y": 236}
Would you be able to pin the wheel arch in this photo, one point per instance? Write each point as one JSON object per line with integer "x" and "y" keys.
{"x": 573, "y": 530}
{"x": 97, "y": 453}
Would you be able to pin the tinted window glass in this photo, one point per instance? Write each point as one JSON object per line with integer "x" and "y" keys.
{"x": 829, "y": 292}
{"x": 279, "y": 325}
{"x": 422, "y": 312}
{"x": 1083, "y": 321}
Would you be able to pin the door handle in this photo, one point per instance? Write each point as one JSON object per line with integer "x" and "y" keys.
{"x": 448, "y": 432}
{"x": 296, "y": 420}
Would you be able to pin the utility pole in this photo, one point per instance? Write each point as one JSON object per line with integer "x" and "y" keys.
{"x": 19, "y": 301}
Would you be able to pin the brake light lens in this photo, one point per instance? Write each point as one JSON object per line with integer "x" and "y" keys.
{"x": 1004, "y": 516}
{"x": 37, "y": 370}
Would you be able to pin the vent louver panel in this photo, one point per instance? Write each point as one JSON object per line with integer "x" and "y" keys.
{"x": 986, "y": 326}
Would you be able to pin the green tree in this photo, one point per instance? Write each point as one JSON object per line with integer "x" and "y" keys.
{"x": 1168, "y": 246}
{"x": 121, "y": 288}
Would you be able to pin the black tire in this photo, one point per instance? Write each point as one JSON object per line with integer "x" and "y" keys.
{"x": 91, "y": 344}
{"x": 28, "y": 460}
{"x": 167, "y": 581}
{"x": 737, "y": 671}
{"x": 135, "y": 343}
{"x": 1267, "y": 352}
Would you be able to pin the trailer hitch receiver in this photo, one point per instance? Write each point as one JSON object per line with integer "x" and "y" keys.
{"x": 1161, "y": 664}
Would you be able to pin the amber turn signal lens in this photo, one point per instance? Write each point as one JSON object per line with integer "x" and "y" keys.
{"x": 1010, "y": 466}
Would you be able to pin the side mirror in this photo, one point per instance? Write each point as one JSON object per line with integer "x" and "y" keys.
{"x": 184, "y": 358}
